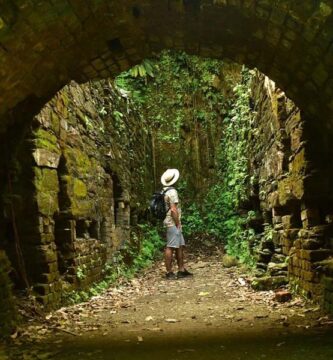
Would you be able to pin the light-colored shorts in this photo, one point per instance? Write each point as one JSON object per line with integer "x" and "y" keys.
{"x": 175, "y": 238}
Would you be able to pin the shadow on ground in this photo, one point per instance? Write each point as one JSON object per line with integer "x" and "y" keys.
{"x": 249, "y": 346}
{"x": 214, "y": 315}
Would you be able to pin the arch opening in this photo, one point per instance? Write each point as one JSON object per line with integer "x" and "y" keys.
{"x": 291, "y": 43}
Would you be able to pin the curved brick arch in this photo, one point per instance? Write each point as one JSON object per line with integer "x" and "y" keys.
{"x": 44, "y": 44}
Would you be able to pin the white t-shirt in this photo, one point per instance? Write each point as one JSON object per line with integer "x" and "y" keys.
{"x": 170, "y": 198}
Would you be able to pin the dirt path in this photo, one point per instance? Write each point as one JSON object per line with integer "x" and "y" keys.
{"x": 214, "y": 315}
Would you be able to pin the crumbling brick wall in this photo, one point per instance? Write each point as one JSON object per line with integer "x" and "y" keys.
{"x": 79, "y": 175}
{"x": 290, "y": 187}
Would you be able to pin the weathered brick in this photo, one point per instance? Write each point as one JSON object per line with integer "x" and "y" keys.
{"x": 315, "y": 255}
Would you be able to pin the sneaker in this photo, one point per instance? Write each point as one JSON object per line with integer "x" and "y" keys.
{"x": 182, "y": 274}
{"x": 170, "y": 276}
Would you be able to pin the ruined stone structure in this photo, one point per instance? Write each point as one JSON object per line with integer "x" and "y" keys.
{"x": 46, "y": 44}
{"x": 77, "y": 179}
{"x": 291, "y": 179}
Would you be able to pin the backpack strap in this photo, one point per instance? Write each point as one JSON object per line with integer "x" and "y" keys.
{"x": 167, "y": 189}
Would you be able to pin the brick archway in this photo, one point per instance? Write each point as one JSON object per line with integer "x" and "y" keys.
{"x": 44, "y": 44}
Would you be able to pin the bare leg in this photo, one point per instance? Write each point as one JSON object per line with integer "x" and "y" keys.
{"x": 168, "y": 254}
{"x": 180, "y": 258}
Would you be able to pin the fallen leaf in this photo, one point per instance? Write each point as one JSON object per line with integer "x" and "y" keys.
{"x": 261, "y": 316}
{"x": 241, "y": 281}
{"x": 154, "y": 329}
{"x": 171, "y": 320}
{"x": 14, "y": 336}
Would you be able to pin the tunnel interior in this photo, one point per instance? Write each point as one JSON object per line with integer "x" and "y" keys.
{"x": 67, "y": 171}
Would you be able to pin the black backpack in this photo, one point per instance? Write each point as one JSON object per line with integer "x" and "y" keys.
{"x": 157, "y": 204}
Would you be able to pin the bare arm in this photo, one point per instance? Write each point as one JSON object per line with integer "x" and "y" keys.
{"x": 175, "y": 214}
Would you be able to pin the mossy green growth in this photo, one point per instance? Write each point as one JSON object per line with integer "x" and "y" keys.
{"x": 46, "y": 180}
{"x": 269, "y": 283}
{"x": 81, "y": 208}
{"x": 229, "y": 261}
{"x": 77, "y": 194}
{"x": 139, "y": 253}
{"x": 46, "y": 140}
{"x": 65, "y": 98}
{"x": 8, "y": 311}
{"x": 77, "y": 159}
{"x": 47, "y": 187}
{"x": 55, "y": 122}
{"x": 79, "y": 188}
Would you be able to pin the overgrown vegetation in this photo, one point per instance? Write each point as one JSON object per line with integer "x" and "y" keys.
{"x": 180, "y": 98}
{"x": 139, "y": 253}
{"x": 220, "y": 214}
{"x": 199, "y": 115}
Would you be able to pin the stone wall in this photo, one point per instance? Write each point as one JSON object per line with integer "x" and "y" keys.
{"x": 45, "y": 44}
{"x": 290, "y": 175}
{"x": 79, "y": 176}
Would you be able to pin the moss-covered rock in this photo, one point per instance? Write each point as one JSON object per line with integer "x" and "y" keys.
{"x": 46, "y": 180}
{"x": 46, "y": 140}
{"x": 47, "y": 187}
{"x": 269, "y": 283}
{"x": 79, "y": 189}
{"x": 229, "y": 261}
{"x": 77, "y": 159}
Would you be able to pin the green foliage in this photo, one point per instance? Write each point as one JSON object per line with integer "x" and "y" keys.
{"x": 142, "y": 70}
{"x": 193, "y": 222}
{"x": 168, "y": 98}
{"x": 182, "y": 106}
{"x": 135, "y": 256}
{"x": 81, "y": 272}
{"x": 219, "y": 214}
{"x": 186, "y": 95}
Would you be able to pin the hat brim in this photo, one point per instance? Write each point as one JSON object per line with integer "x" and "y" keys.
{"x": 172, "y": 181}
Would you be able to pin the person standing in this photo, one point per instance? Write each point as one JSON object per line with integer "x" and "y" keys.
{"x": 172, "y": 222}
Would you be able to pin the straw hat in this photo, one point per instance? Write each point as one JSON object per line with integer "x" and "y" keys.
{"x": 170, "y": 177}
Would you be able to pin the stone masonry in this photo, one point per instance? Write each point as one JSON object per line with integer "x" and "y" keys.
{"x": 290, "y": 188}
{"x": 79, "y": 176}
{"x": 45, "y": 44}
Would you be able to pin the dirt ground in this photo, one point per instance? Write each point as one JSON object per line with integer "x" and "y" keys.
{"x": 214, "y": 315}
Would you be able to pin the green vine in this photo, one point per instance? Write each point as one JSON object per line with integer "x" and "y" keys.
{"x": 187, "y": 100}
{"x": 220, "y": 214}
{"x": 139, "y": 253}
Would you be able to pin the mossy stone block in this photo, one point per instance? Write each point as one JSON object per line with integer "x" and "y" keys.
{"x": 46, "y": 180}
{"x": 78, "y": 160}
{"x": 229, "y": 261}
{"x": 79, "y": 189}
{"x": 47, "y": 187}
{"x": 46, "y": 140}
{"x": 269, "y": 283}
